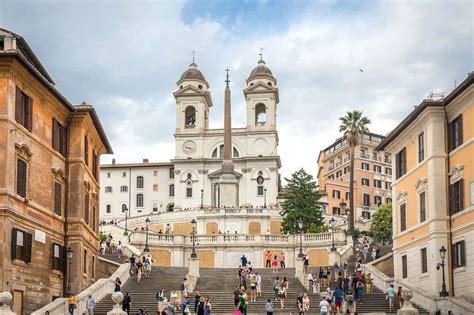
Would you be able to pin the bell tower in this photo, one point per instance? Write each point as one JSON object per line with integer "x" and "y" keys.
{"x": 193, "y": 101}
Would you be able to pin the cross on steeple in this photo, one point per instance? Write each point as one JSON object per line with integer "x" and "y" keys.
{"x": 227, "y": 77}
{"x": 193, "y": 55}
{"x": 261, "y": 53}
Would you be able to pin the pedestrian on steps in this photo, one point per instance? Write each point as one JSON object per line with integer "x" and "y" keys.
{"x": 374, "y": 252}
{"x": 184, "y": 288}
{"x": 236, "y": 296}
{"x": 282, "y": 261}
{"x": 258, "y": 278}
{"x": 400, "y": 297}
{"x": 126, "y": 303}
{"x": 197, "y": 298}
{"x": 117, "y": 284}
{"x": 269, "y": 307}
{"x": 275, "y": 263}
{"x": 207, "y": 306}
{"x": 132, "y": 264}
{"x": 72, "y": 303}
{"x": 90, "y": 305}
{"x": 243, "y": 260}
{"x": 276, "y": 287}
{"x": 268, "y": 260}
{"x": 390, "y": 297}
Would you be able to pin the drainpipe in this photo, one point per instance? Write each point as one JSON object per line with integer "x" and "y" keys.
{"x": 450, "y": 228}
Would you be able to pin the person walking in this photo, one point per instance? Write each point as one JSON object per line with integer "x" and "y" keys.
{"x": 374, "y": 252}
{"x": 306, "y": 302}
{"x": 184, "y": 288}
{"x": 400, "y": 297}
{"x": 72, "y": 303}
{"x": 108, "y": 241}
{"x": 282, "y": 261}
{"x": 310, "y": 282}
{"x": 324, "y": 307}
{"x": 119, "y": 250}
{"x": 275, "y": 264}
{"x": 132, "y": 264}
{"x": 117, "y": 285}
{"x": 282, "y": 295}
{"x": 90, "y": 304}
{"x": 253, "y": 290}
{"x": 126, "y": 303}
{"x": 146, "y": 268}
{"x": 197, "y": 298}
{"x": 368, "y": 283}
{"x": 299, "y": 303}
{"x": 268, "y": 260}
{"x": 258, "y": 279}
{"x": 170, "y": 309}
{"x": 390, "y": 297}
{"x": 243, "y": 303}
{"x": 236, "y": 296}
{"x": 243, "y": 260}
{"x": 305, "y": 264}
{"x": 346, "y": 283}
{"x": 359, "y": 292}
{"x": 338, "y": 296}
{"x": 276, "y": 287}
{"x": 269, "y": 307}
{"x": 207, "y": 306}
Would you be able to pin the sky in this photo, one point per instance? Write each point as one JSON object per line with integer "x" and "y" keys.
{"x": 125, "y": 57}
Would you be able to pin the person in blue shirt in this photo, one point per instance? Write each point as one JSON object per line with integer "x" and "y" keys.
{"x": 244, "y": 261}
{"x": 338, "y": 296}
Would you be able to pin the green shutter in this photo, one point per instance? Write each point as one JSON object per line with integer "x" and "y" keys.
{"x": 29, "y": 113}
{"x": 13, "y": 243}
{"x": 18, "y": 107}
{"x": 28, "y": 246}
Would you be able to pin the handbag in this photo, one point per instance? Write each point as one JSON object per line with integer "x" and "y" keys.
{"x": 386, "y": 297}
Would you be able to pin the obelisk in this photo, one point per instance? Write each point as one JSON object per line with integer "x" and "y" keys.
{"x": 228, "y": 183}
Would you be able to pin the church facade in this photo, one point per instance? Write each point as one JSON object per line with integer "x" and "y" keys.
{"x": 193, "y": 178}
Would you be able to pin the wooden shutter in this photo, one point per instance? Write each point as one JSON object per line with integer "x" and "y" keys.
{"x": 55, "y": 135}
{"x": 86, "y": 150}
{"x": 52, "y": 255}
{"x": 21, "y": 178}
{"x": 13, "y": 244}
{"x": 402, "y": 217}
{"x": 18, "y": 107}
{"x": 86, "y": 208}
{"x": 63, "y": 144}
{"x": 28, "y": 247}
{"x": 462, "y": 248}
{"x": 57, "y": 198}
{"x": 404, "y": 158}
{"x": 29, "y": 113}
{"x": 461, "y": 194}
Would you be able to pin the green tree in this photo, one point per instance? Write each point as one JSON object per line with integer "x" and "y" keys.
{"x": 353, "y": 126}
{"x": 381, "y": 227}
{"x": 301, "y": 202}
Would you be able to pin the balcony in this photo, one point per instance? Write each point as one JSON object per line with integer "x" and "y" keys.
{"x": 364, "y": 156}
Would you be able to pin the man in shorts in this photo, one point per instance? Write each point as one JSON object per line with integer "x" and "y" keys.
{"x": 338, "y": 297}
{"x": 324, "y": 306}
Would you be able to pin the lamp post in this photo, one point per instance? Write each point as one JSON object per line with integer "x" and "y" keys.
{"x": 69, "y": 253}
{"x": 331, "y": 225}
{"x": 300, "y": 226}
{"x": 126, "y": 220}
{"x": 147, "y": 222}
{"x": 193, "y": 253}
{"x": 264, "y": 197}
{"x": 442, "y": 254}
{"x": 202, "y": 197}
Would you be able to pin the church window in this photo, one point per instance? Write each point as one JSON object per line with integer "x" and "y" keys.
{"x": 140, "y": 200}
{"x": 269, "y": 84}
{"x": 108, "y": 209}
{"x": 170, "y": 207}
{"x": 155, "y": 207}
{"x": 219, "y": 151}
{"x": 189, "y": 192}
{"x": 140, "y": 182}
{"x": 124, "y": 208}
{"x": 172, "y": 172}
{"x": 171, "y": 190}
{"x": 235, "y": 153}
{"x": 190, "y": 117}
{"x": 260, "y": 115}
{"x": 200, "y": 86}
{"x": 259, "y": 190}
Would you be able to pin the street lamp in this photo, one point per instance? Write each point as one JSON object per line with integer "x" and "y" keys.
{"x": 442, "y": 254}
{"x": 147, "y": 222}
{"x": 202, "y": 197}
{"x": 193, "y": 253}
{"x": 69, "y": 253}
{"x": 300, "y": 226}
{"x": 331, "y": 225}
{"x": 125, "y": 209}
{"x": 265, "y": 198}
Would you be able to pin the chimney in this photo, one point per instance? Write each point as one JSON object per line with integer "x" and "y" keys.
{"x": 113, "y": 161}
{"x": 145, "y": 161}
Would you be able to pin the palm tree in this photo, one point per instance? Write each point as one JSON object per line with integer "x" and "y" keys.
{"x": 353, "y": 126}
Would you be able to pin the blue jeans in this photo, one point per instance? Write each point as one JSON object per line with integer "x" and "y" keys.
{"x": 71, "y": 308}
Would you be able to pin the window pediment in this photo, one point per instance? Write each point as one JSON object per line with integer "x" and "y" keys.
{"x": 58, "y": 175}
{"x": 456, "y": 174}
{"x": 421, "y": 184}
{"x": 402, "y": 197}
{"x": 23, "y": 151}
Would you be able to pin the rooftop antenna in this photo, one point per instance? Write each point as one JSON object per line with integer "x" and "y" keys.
{"x": 227, "y": 77}
{"x": 261, "y": 53}
{"x": 193, "y": 55}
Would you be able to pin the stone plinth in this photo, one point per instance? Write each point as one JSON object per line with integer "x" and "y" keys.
{"x": 407, "y": 308}
{"x": 117, "y": 297}
{"x": 5, "y": 301}
{"x": 228, "y": 185}
{"x": 334, "y": 258}
{"x": 193, "y": 273}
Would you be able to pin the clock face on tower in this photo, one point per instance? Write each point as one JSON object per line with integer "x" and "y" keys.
{"x": 189, "y": 147}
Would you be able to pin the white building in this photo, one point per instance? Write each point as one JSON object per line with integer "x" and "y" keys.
{"x": 191, "y": 179}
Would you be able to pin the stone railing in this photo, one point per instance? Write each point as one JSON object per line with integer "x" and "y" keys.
{"x": 98, "y": 290}
{"x": 237, "y": 239}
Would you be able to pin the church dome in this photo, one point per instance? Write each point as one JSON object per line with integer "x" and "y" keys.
{"x": 261, "y": 70}
{"x": 192, "y": 73}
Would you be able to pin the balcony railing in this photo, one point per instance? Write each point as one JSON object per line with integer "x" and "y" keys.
{"x": 364, "y": 156}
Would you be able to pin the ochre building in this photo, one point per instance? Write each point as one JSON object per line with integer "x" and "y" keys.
{"x": 49, "y": 182}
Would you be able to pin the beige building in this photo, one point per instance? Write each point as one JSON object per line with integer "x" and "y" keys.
{"x": 49, "y": 182}
{"x": 372, "y": 176}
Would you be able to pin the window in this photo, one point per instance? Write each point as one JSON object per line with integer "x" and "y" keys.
{"x": 108, "y": 189}
{"x": 171, "y": 190}
{"x": 57, "y": 257}
{"x": 86, "y": 150}
{"x": 365, "y": 182}
{"x": 259, "y": 190}
{"x": 155, "y": 187}
{"x": 139, "y": 181}
{"x": 123, "y": 188}
{"x": 366, "y": 215}
{"x": 93, "y": 267}
{"x": 108, "y": 174}
{"x": 338, "y": 174}
{"x": 404, "y": 266}
{"x": 336, "y": 194}
{"x": 85, "y": 262}
{"x": 377, "y": 183}
{"x": 21, "y": 245}
{"x": 336, "y": 211}
{"x": 2, "y": 43}
{"x": 364, "y": 153}
{"x": 388, "y": 171}
{"x": 378, "y": 200}
{"x": 366, "y": 200}
{"x": 21, "y": 171}
{"x": 401, "y": 162}
{"x": 155, "y": 207}
{"x": 422, "y": 200}
{"x": 57, "y": 198}
{"x": 456, "y": 196}
{"x": 389, "y": 200}
{"x": 424, "y": 260}
{"x": 171, "y": 172}
{"x": 331, "y": 177}
{"x": 347, "y": 169}
{"x": 377, "y": 168}
{"x": 365, "y": 166}
{"x": 155, "y": 173}
{"x": 421, "y": 147}
{"x": 190, "y": 117}
{"x": 260, "y": 115}
{"x": 108, "y": 209}
{"x": 170, "y": 207}
{"x": 388, "y": 185}
{"x": 348, "y": 196}
{"x": 86, "y": 208}
{"x": 387, "y": 158}
{"x": 124, "y": 174}
{"x": 24, "y": 109}
{"x": 140, "y": 200}
{"x": 455, "y": 133}
{"x": 189, "y": 192}
{"x": 459, "y": 254}
{"x": 93, "y": 219}
{"x": 403, "y": 218}
{"x": 59, "y": 137}
{"x": 124, "y": 208}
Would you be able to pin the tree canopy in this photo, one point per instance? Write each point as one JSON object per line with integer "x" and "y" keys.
{"x": 353, "y": 126}
{"x": 301, "y": 201}
{"x": 381, "y": 227}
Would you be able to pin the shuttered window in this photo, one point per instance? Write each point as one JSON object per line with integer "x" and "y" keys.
{"x": 21, "y": 172}
{"x": 95, "y": 164}
{"x": 86, "y": 208}
{"x": 24, "y": 109}
{"x": 366, "y": 200}
{"x": 57, "y": 257}
{"x": 140, "y": 182}
{"x": 94, "y": 225}
{"x": 21, "y": 245}
{"x": 459, "y": 254}
{"x": 424, "y": 260}
{"x": 85, "y": 262}
{"x": 456, "y": 196}
{"x": 59, "y": 137}
{"x": 57, "y": 198}
{"x": 171, "y": 190}
{"x": 86, "y": 150}
{"x": 140, "y": 200}
{"x": 404, "y": 266}
{"x": 455, "y": 133}
{"x": 422, "y": 198}
{"x": 403, "y": 218}
{"x": 401, "y": 163}
{"x": 421, "y": 147}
